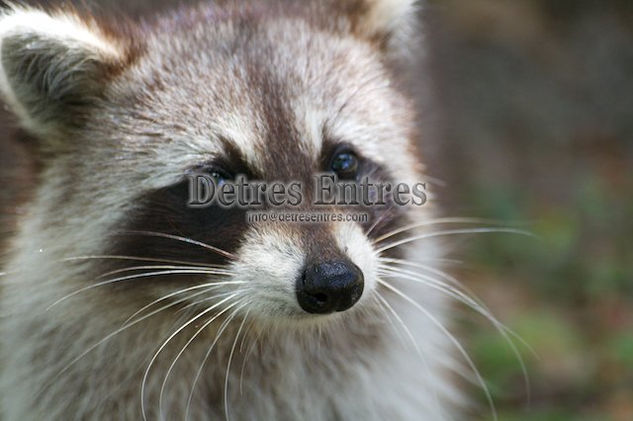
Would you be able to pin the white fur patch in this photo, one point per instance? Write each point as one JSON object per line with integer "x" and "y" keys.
{"x": 353, "y": 242}
{"x": 387, "y": 15}
{"x": 270, "y": 263}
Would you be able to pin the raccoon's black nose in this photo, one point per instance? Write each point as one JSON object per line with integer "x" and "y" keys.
{"x": 330, "y": 286}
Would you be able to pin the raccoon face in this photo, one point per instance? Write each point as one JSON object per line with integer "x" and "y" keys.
{"x": 276, "y": 94}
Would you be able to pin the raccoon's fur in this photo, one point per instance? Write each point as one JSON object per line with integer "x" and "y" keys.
{"x": 122, "y": 112}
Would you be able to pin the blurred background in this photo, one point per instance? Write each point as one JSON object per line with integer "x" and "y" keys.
{"x": 528, "y": 121}
{"x": 534, "y": 119}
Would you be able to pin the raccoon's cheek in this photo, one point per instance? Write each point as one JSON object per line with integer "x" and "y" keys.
{"x": 351, "y": 239}
{"x": 267, "y": 267}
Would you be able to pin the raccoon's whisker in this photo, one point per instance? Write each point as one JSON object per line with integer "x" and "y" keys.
{"x": 245, "y": 336}
{"x": 228, "y": 369}
{"x": 430, "y": 269}
{"x": 451, "y": 338}
{"x": 133, "y": 258}
{"x": 138, "y": 276}
{"x": 207, "y": 288}
{"x": 455, "y": 286}
{"x": 432, "y": 222}
{"x": 249, "y": 351}
{"x": 422, "y": 259}
{"x": 173, "y": 335}
{"x": 456, "y": 290}
{"x": 219, "y": 333}
{"x": 160, "y": 267}
{"x": 105, "y": 339}
{"x": 380, "y": 220}
{"x": 408, "y": 333}
{"x": 436, "y": 284}
{"x": 465, "y": 295}
{"x": 189, "y": 342}
{"x": 453, "y": 293}
{"x": 221, "y": 330}
{"x": 453, "y": 232}
{"x": 195, "y": 304}
{"x": 246, "y": 332}
{"x": 387, "y": 314}
{"x": 201, "y": 301}
{"x": 475, "y": 305}
{"x": 217, "y": 250}
{"x": 400, "y": 322}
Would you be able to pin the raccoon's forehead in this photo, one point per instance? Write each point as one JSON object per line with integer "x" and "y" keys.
{"x": 277, "y": 94}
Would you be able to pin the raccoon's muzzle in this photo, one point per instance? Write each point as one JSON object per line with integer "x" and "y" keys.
{"x": 331, "y": 286}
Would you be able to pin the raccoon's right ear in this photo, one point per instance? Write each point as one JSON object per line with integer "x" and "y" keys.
{"x": 389, "y": 24}
{"x": 53, "y": 67}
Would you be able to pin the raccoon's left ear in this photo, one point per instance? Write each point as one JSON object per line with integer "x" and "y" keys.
{"x": 387, "y": 23}
{"x": 53, "y": 67}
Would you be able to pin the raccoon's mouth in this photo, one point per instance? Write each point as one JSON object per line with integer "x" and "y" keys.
{"x": 330, "y": 286}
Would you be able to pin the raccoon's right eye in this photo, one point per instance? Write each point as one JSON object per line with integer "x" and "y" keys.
{"x": 345, "y": 164}
{"x": 218, "y": 178}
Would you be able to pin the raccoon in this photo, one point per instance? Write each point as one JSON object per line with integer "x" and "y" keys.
{"x": 120, "y": 301}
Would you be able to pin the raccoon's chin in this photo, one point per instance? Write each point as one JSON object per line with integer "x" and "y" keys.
{"x": 291, "y": 314}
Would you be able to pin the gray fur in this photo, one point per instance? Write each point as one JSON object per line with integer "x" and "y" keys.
{"x": 203, "y": 75}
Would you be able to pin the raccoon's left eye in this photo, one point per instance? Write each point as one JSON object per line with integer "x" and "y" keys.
{"x": 218, "y": 175}
{"x": 345, "y": 164}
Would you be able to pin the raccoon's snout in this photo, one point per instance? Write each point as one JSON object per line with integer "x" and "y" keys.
{"x": 330, "y": 286}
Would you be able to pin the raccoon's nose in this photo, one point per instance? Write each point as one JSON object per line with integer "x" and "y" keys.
{"x": 330, "y": 286}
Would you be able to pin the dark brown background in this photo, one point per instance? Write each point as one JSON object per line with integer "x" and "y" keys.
{"x": 531, "y": 123}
